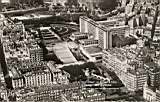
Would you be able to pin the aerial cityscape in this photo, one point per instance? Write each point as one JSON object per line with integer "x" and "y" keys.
{"x": 79, "y": 50}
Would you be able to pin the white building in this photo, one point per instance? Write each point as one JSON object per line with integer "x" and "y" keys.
{"x": 132, "y": 76}
{"x": 103, "y": 31}
{"x": 36, "y": 53}
{"x": 38, "y": 78}
{"x": 55, "y": 2}
{"x": 151, "y": 95}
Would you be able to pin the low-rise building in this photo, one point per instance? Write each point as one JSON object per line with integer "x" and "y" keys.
{"x": 92, "y": 53}
{"x": 88, "y": 42}
{"x": 55, "y": 2}
{"x": 79, "y": 36}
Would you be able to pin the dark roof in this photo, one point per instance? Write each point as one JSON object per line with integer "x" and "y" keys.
{"x": 153, "y": 67}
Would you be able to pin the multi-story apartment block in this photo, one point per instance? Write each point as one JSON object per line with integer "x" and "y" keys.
{"x": 3, "y": 92}
{"x": 36, "y": 74}
{"x": 89, "y": 26}
{"x": 36, "y": 53}
{"x": 17, "y": 78}
{"x": 21, "y": 47}
{"x": 105, "y": 38}
{"x": 45, "y": 93}
{"x": 58, "y": 77}
{"x": 71, "y": 92}
{"x": 135, "y": 79}
{"x": 149, "y": 94}
{"x": 38, "y": 78}
{"x": 153, "y": 70}
{"x": 132, "y": 75}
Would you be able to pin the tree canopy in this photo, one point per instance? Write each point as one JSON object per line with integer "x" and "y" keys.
{"x": 72, "y": 2}
{"x": 76, "y": 71}
{"x": 108, "y": 4}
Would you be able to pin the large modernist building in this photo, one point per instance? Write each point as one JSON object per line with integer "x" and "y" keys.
{"x": 103, "y": 31}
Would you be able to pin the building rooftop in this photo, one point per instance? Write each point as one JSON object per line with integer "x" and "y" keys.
{"x": 34, "y": 66}
{"x": 79, "y": 33}
{"x": 118, "y": 27}
{"x": 72, "y": 45}
{"x": 57, "y": 87}
{"x": 153, "y": 67}
{"x": 93, "y": 49}
{"x": 84, "y": 95}
{"x": 63, "y": 53}
{"x": 138, "y": 71}
{"x": 87, "y": 40}
{"x": 15, "y": 73}
{"x": 37, "y": 72}
{"x": 107, "y": 21}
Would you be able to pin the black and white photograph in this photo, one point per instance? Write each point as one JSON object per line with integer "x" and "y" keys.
{"x": 79, "y": 50}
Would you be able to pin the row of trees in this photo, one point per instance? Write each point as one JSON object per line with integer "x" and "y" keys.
{"x": 104, "y": 4}
{"x": 108, "y": 4}
{"x": 120, "y": 41}
{"x": 24, "y": 4}
{"x": 77, "y": 71}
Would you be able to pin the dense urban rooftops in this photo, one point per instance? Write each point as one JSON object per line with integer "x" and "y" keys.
{"x": 138, "y": 71}
{"x": 58, "y": 87}
{"x": 153, "y": 67}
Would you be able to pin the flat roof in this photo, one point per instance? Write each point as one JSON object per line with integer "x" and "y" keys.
{"x": 63, "y": 53}
{"x": 93, "y": 49}
{"x": 86, "y": 40}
